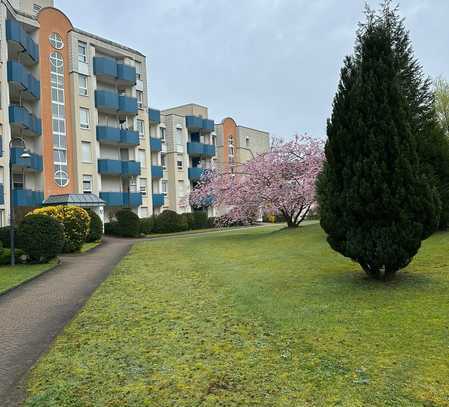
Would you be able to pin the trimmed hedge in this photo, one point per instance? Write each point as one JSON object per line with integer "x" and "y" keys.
{"x": 170, "y": 222}
{"x": 199, "y": 220}
{"x": 95, "y": 227}
{"x": 75, "y": 221}
{"x": 41, "y": 237}
{"x": 128, "y": 223}
{"x": 146, "y": 225}
{"x": 5, "y": 237}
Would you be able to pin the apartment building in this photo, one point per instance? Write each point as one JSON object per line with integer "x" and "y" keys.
{"x": 185, "y": 143}
{"x": 74, "y": 110}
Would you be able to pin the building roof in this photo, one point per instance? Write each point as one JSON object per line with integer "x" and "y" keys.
{"x": 83, "y": 200}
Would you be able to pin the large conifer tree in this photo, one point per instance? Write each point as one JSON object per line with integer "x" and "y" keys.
{"x": 377, "y": 204}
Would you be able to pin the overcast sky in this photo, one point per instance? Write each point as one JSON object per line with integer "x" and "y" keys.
{"x": 271, "y": 64}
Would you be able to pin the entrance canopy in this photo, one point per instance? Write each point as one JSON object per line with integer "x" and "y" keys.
{"x": 82, "y": 200}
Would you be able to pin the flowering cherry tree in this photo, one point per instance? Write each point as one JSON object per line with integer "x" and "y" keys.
{"x": 281, "y": 181}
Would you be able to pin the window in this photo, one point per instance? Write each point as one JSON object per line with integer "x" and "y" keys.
{"x": 139, "y": 73}
{"x": 56, "y": 41}
{"x": 214, "y": 140}
{"x": 164, "y": 186}
{"x": 180, "y": 188}
{"x": 83, "y": 85}
{"x": 231, "y": 146}
{"x": 142, "y": 158}
{"x": 82, "y": 52}
{"x": 60, "y": 176}
{"x": 163, "y": 161}
{"x": 143, "y": 186}
{"x": 132, "y": 185}
{"x": 18, "y": 181}
{"x": 179, "y": 136}
{"x": 87, "y": 184}
{"x": 84, "y": 118}
{"x": 162, "y": 134}
{"x": 86, "y": 152}
{"x": 179, "y": 162}
{"x": 139, "y": 95}
{"x": 36, "y": 8}
{"x": 140, "y": 124}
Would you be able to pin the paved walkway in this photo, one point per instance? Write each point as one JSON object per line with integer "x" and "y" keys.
{"x": 33, "y": 315}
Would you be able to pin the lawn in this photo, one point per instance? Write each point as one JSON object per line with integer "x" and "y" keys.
{"x": 11, "y": 277}
{"x": 263, "y": 317}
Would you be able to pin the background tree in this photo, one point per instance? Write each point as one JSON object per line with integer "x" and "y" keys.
{"x": 441, "y": 88}
{"x": 280, "y": 181}
{"x": 376, "y": 201}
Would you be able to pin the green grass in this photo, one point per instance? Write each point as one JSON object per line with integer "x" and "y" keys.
{"x": 11, "y": 277}
{"x": 263, "y": 317}
{"x": 89, "y": 246}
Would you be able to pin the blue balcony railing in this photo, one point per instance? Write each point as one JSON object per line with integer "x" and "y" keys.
{"x": 158, "y": 200}
{"x": 21, "y": 117}
{"x": 154, "y": 116}
{"x": 112, "y": 102}
{"x": 117, "y": 167}
{"x": 16, "y": 34}
{"x": 200, "y": 149}
{"x": 2, "y": 195}
{"x": 33, "y": 163}
{"x": 196, "y": 123}
{"x": 110, "y": 68}
{"x": 27, "y": 198}
{"x": 157, "y": 171}
{"x": 196, "y": 173}
{"x": 113, "y": 135}
{"x": 27, "y": 83}
{"x": 122, "y": 199}
{"x": 155, "y": 144}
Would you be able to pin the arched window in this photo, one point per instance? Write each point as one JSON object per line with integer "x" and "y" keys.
{"x": 61, "y": 176}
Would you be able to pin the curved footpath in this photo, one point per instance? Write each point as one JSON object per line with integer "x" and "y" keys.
{"x": 33, "y": 314}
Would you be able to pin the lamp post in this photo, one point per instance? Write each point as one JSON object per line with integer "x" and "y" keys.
{"x": 25, "y": 154}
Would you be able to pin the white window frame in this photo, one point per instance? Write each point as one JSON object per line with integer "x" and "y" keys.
{"x": 88, "y": 179}
{"x": 84, "y": 125}
{"x": 139, "y": 95}
{"x": 162, "y": 132}
{"x": 83, "y": 91}
{"x": 164, "y": 187}
{"x": 142, "y": 157}
{"x": 144, "y": 186}
{"x": 140, "y": 126}
{"x": 82, "y": 56}
{"x": 139, "y": 71}
{"x": 83, "y": 159}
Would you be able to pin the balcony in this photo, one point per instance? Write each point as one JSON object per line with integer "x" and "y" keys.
{"x": 157, "y": 171}
{"x": 195, "y": 123}
{"x": 119, "y": 168}
{"x": 158, "y": 200}
{"x": 22, "y": 42}
{"x": 200, "y": 150}
{"x": 195, "y": 174}
{"x": 122, "y": 199}
{"x": 27, "y": 198}
{"x": 155, "y": 144}
{"x": 154, "y": 116}
{"x": 22, "y": 81}
{"x": 111, "y": 102}
{"x": 33, "y": 163}
{"x": 113, "y": 135}
{"x": 21, "y": 118}
{"x": 2, "y": 195}
{"x": 111, "y": 70}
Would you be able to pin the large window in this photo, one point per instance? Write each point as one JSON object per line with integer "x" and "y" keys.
{"x": 82, "y": 52}
{"x": 140, "y": 124}
{"x": 141, "y": 158}
{"x": 61, "y": 176}
{"x": 86, "y": 152}
{"x": 139, "y": 95}
{"x": 83, "y": 85}
{"x": 179, "y": 137}
{"x": 84, "y": 118}
{"x": 139, "y": 74}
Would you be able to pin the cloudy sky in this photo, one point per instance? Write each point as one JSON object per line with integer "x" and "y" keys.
{"x": 270, "y": 64}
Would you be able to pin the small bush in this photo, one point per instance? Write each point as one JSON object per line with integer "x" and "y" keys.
{"x": 211, "y": 223}
{"x": 111, "y": 228}
{"x": 95, "y": 227}
{"x": 199, "y": 220}
{"x": 128, "y": 223}
{"x": 5, "y": 236}
{"x": 146, "y": 225}
{"x": 42, "y": 237}
{"x": 170, "y": 222}
{"x": 75, "y": 221}
{"x": 5, "y": 256}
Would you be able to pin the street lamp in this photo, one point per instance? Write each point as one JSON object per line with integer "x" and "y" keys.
{"x": 20, "y": 142}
